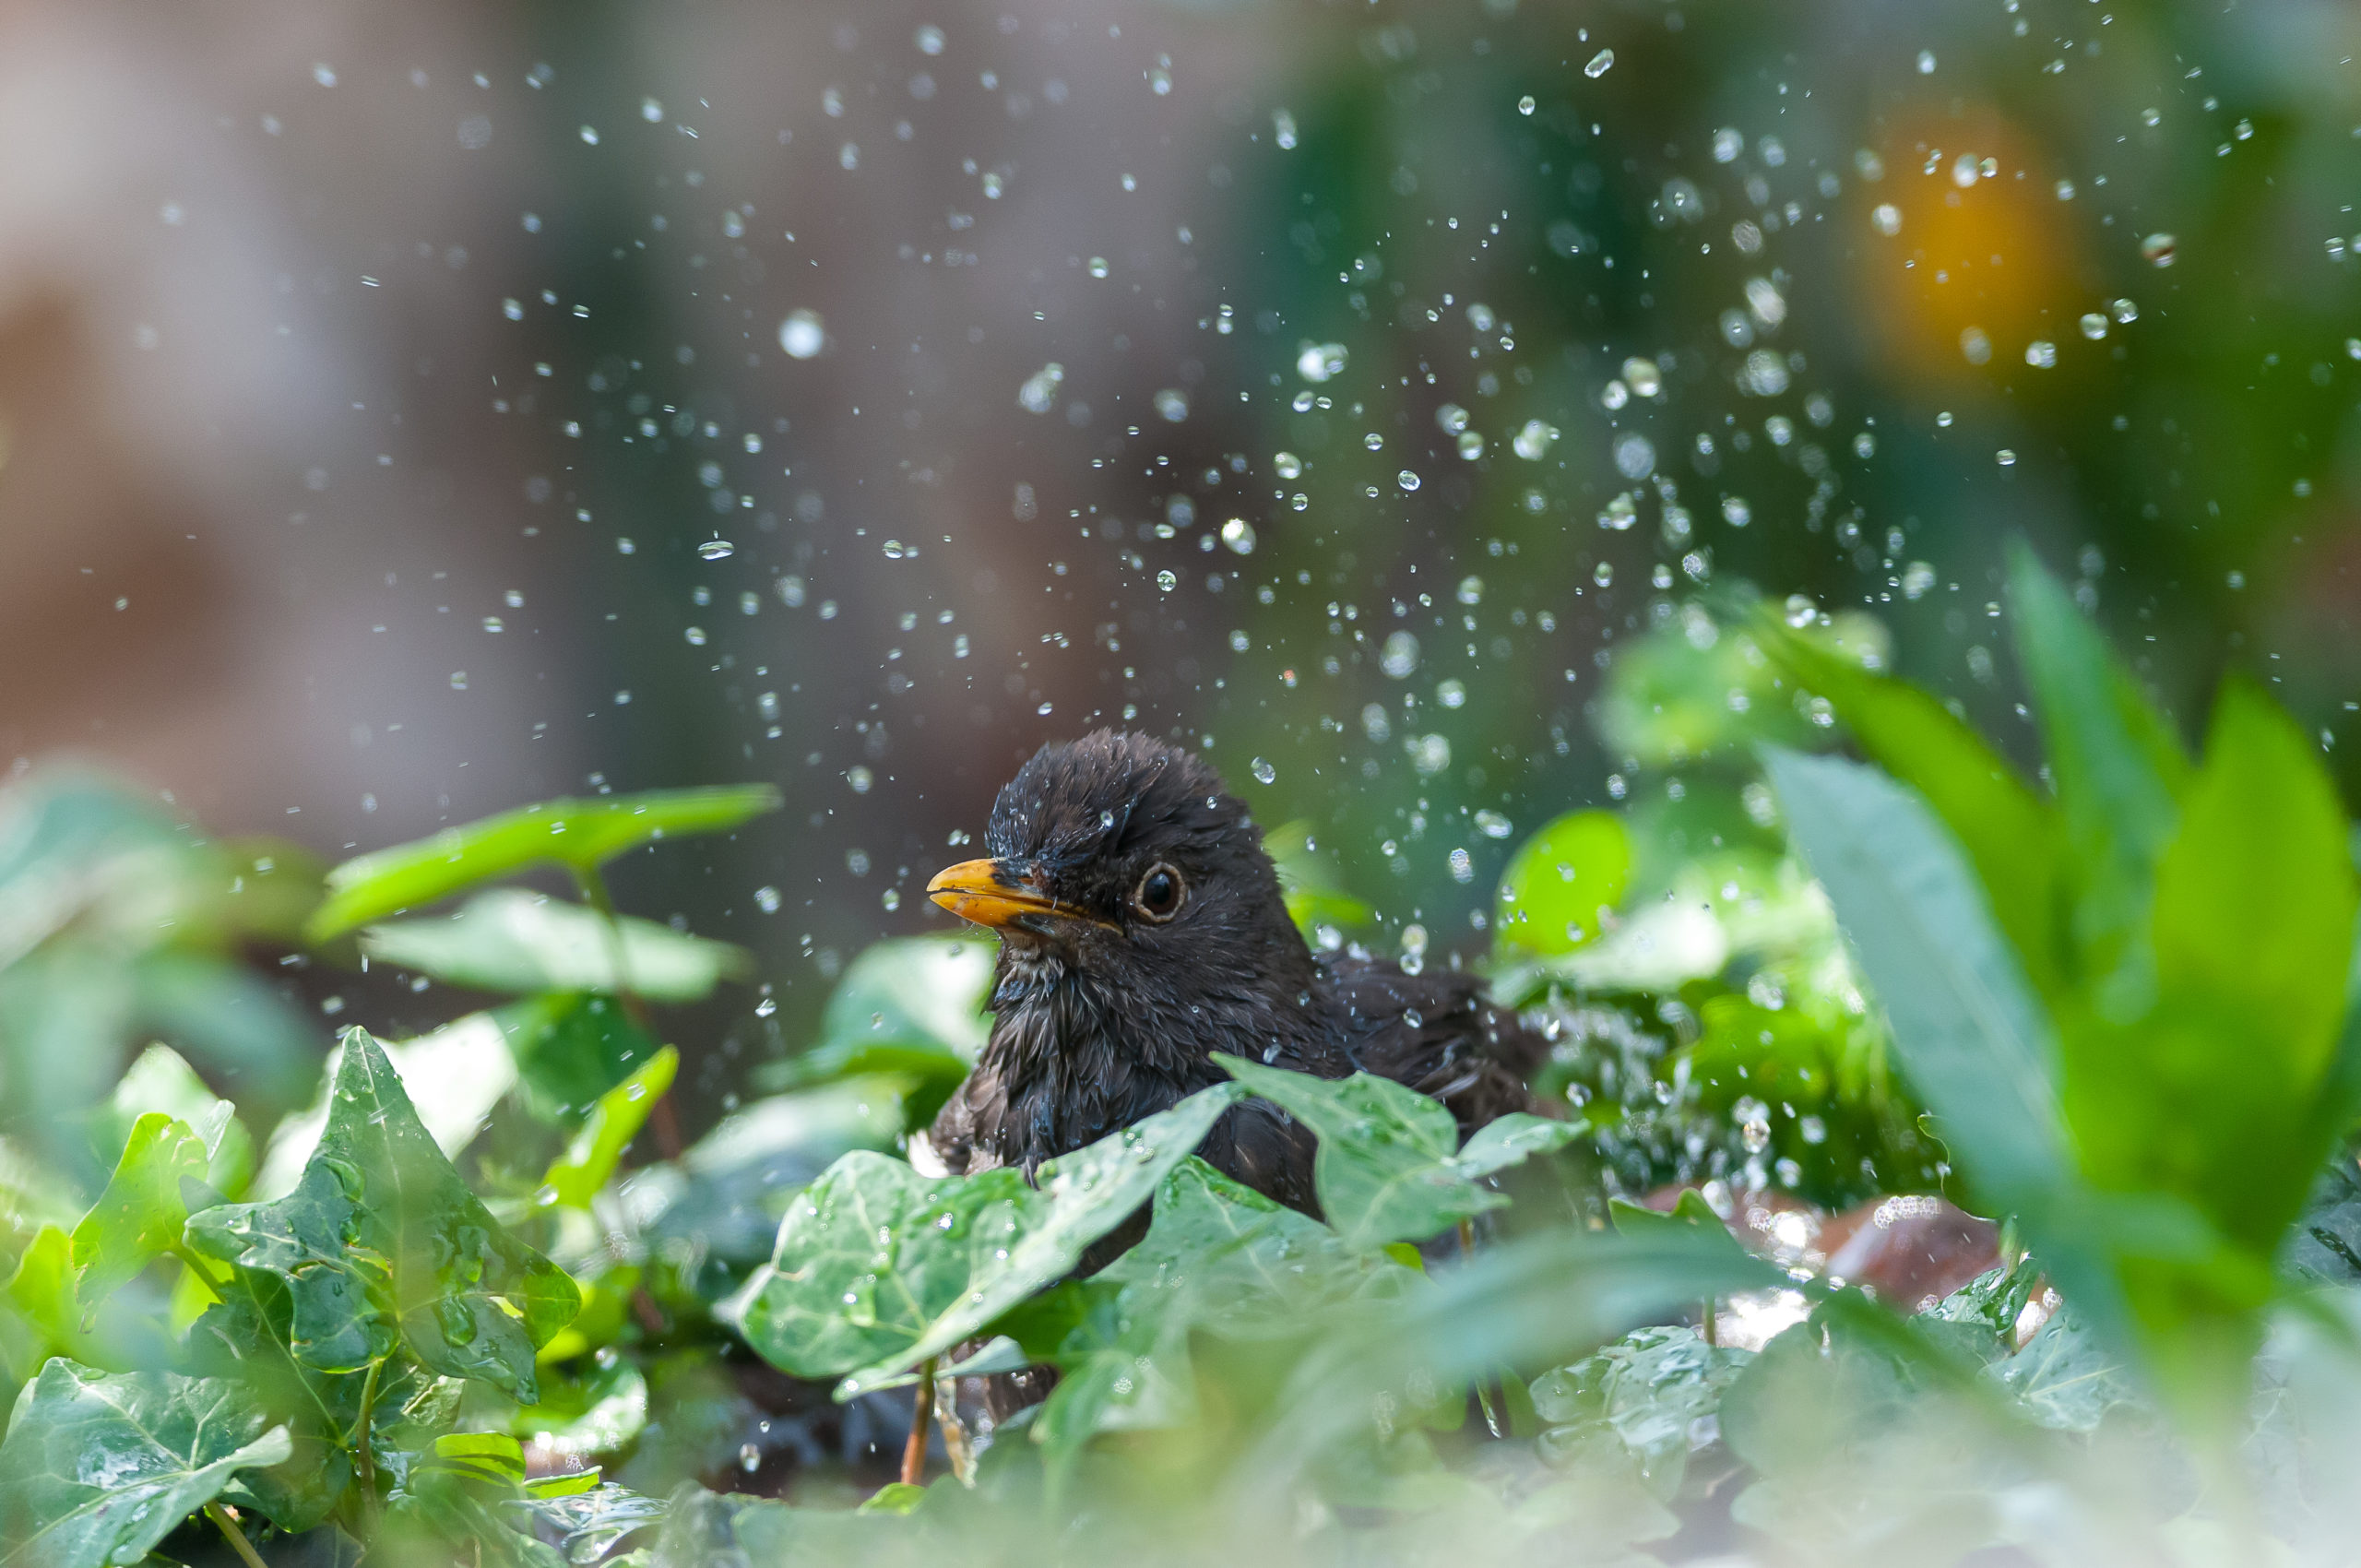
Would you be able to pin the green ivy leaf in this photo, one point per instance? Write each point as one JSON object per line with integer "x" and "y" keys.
{"x": 1218, "y": 1258}
{"x": 1389, "y": 1167}
{"x": 878, "y": 1268}
{"x": 513, "y": 941}
{"x": 1645, "y": 1393}
{"x": 570, "y": 1048}
{"x": 141, "y": 1215}
{"x": 99, "y": 1468}
{"x": 161, "y": 1079}
{"x": 381, "y": 1242}
{"x": 578, "y": 834}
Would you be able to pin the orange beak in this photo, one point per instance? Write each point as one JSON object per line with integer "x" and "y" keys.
{"x": 999, "y": 893}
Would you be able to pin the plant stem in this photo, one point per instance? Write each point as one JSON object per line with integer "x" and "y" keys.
{"x": 593, "y": 883}
{"x": 365, "y": 1454}
{"x": 1488, "y": 1397}
{"x": 1712, "y": 1337}
{"x": 922, "y": 1418}
{"x": 238, "y": 1542}
{"x": 197, "y": 1265}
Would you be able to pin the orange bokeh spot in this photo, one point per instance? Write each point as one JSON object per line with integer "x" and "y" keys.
{"x": 1974, "y": 252}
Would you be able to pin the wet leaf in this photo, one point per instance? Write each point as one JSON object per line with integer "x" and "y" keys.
{"x": 453, "y": 1076}
{"x": 140, "y": 1215}
{"x": 589, "y": 1524}
{"x": 1218, "y": 1258}
{"x": 161, "y": 1079}
{"x": 590, "y": 1161}
{"x": 1654, "y": 1392}
{"x": 99, "y": 1468}
{"x": 2011, "y": 834}
{"x": 2117, "y": 767}
{"x": 1971, "y": 1039}
{"x": 509, "y": 939}
{"x": 2066, "y": 1378}
{"x": 578, "y": 834}
{"x": 877, "y": 1268}
{"x": 382, "y": 1244}
{"x": 570, "y": 1049}
{"x": 1389, "y": 1167}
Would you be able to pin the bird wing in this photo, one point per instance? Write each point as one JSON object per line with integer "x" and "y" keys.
{"x": 1438, "y": 1033}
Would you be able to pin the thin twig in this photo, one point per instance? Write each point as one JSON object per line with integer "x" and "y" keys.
{"x": 238, "y": 1542}
{"x": 921, "y": 1417}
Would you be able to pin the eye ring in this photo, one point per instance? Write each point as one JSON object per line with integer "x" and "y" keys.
{"x": 1160, "y": 894}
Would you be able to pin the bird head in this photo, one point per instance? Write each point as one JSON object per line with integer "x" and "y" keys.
{"x": 1126, "y": 859}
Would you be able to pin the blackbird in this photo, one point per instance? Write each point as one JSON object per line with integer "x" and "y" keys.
{"x": 1142, "y": 929}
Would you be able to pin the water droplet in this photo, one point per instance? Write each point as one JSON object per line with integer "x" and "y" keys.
{"x": 1600, "y": 63}
{"x": 1320, "y": 361}
{"x": 2159, "y": 250}
{"x": 1172, "y": 404}
{"x": 1886, "y": 219}
{"x": 2124, "y": 312}
{"x": 492, "y": 624}
{"x": 716, "y": 550}
{"x": 2093, "y": 326}
{"x": 1098, "y": 267}
{"x": 801, "y": 335}
{"x": 1533, "y": 442}
{"x": 1406, "y": 479}
{"x": 1286, "y": 464}
{"x": 2006, "y": 456}
{"x": 2042, "y": 354}
{"x": 695, "y": 635}
{"x": 1524, "y": 105}
{"x": 1167, "y": 579}
{"x": 1400, "y": 655}
{"x": 1239, "y": 534}
{"x": 750, "y": 1458}
{"x": 928, "y": 39}
{"x": 1492, "y": 824}
{"x": 1603, "y": 574}
{"x": 1262, "y": 770}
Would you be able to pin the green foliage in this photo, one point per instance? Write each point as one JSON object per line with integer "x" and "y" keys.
{"x": 381, "y": 1244}
{"x": 98, "y": 1467}
{"x": 1641, "y": 1398}
{"x": 1562, "y": 880}
{"x": 141, "y": 1215}
{"x": 1389, "y": 1167}
{"x": 507, "y": 940}
{"x": 579, "y": 835}
{"x": 590, "y": 1161}
{"x": 908, "y": 1011}
{"x": 2152, "y": 1112}
{"x": 879, "y": 1270}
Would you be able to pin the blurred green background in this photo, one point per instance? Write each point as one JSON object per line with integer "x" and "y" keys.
{"x": 1341, "y": 389}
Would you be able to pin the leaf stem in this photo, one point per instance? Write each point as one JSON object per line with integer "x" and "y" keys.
{"x": 592, "y": 881}
{"x": 197, "y": 1265}
{"x": 364, "y": 1452}
{"x": 238, "y": 1542}
{"x": 921, "y": 1419}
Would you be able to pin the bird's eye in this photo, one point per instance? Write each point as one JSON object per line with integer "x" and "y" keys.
{"x": 1160, "y": 893}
